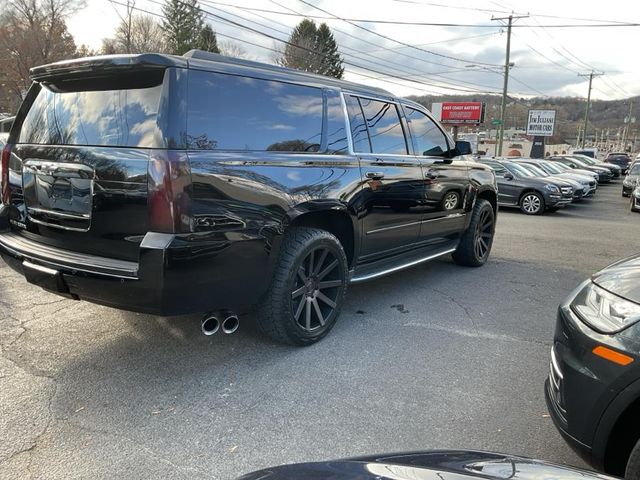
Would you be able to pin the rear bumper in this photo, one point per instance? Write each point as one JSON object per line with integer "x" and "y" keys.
{"x": 175, "y": 275}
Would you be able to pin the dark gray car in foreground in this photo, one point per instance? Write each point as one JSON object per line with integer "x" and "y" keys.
{"x": 517, "y": 187}
{"x": 593, "y": 388}
{"x": 429, "y": 465}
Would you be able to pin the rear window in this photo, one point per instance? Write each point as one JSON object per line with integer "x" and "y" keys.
{"x": 230, "y": 112}
{"x": 118, "y": 117}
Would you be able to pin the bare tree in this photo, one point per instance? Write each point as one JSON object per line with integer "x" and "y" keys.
{"x": 139, "y": 34}
{"x": 32, "y": 32}
{"x": 232, "y": 49}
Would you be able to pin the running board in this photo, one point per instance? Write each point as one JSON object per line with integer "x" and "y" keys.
{"x": 383, "y": 268}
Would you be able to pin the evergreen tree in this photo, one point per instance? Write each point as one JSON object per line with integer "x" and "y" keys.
{"x": 331, "y": 64}
{"x": 183, "y": 24}
{"x": 207, "y": 40}
{"x": 312, "y": 49}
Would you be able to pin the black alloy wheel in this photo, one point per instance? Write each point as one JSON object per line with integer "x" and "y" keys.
{"x": 476, "y": 241}
{"x": 308, "y": 287}
{"x": 483, "y": 234}
{"x": 316, "y": 289}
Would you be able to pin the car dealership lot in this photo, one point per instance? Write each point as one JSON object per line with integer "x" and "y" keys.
{"x": 436, "y": 356}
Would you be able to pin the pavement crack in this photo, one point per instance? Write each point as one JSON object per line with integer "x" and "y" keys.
{"x": 464, "y": 308}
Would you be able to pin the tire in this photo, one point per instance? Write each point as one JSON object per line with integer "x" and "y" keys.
{"x": 308, "y": 288}
{"x": 631, "y": 205}
{"x": 450, "y": 201}
{"x": 532, "y": 203}
{"x": 475, "y": 244}
{"x": 632, "y": 472}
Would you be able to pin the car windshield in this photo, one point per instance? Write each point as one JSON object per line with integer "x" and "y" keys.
{"x": 635, "y": 170}
{"x": 579, "y": 163}
{"x": 552, "y": 167}
{"x": 537, "y": 171}
{"x": 585, "y": 159}
{"x": 518, "y": 170}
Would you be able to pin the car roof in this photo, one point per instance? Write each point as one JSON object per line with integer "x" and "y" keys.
{"x": 201, "y": 60}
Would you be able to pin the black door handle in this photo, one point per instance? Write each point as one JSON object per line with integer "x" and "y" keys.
{"x": 375, "y": 175}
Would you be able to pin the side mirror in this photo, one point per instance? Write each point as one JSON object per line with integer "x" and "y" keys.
{"x": 462, "y": 148}
{"x": 508, "y": 176}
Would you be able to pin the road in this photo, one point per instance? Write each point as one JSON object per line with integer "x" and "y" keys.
{"x": 438, "y": 356}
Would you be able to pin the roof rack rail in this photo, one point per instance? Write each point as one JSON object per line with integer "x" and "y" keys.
{"x": 216, "y": 57}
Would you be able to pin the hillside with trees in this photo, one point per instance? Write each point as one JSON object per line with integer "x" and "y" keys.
{"x": 604, "y": 115}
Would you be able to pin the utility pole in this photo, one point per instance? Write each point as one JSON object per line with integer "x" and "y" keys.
{"x": 505, "y": 87}
{"x": 586, "y": 111}
{"x": 627, "y": 121}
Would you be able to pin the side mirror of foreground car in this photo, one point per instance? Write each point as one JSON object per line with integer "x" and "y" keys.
{"x": 508, "y": 176}
{"x": 462, "y": 148}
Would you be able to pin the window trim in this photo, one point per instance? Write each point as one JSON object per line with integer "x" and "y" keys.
{"x": 400, "y": 113}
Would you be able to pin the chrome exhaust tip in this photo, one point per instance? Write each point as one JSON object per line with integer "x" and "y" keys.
{"x": 230, "y": 324}
{"x": 210, "y": 325}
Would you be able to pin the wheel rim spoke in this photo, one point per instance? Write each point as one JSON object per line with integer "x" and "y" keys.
{"x": 321, "y": 260}
{"x": 316, "y": 306}
{"x": 298, "y": 292}
{"x": 307, "y": 319}
{"x": 329, "y": 284}
{"x": 325, "y": 299}
{"x": 327, "y": 270}
{"x": 301, "y": 274}
{"x": 296, "y": 315}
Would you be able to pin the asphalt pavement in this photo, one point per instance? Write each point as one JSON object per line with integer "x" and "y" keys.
{"x": 438, "y": 356}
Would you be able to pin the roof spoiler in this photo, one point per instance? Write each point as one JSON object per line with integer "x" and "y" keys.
{"x": 103, "y": 63}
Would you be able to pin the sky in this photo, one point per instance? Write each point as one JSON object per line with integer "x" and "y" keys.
{"x": 464, "y": 56}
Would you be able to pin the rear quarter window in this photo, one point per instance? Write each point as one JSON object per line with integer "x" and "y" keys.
{"x": 230, "y": 112}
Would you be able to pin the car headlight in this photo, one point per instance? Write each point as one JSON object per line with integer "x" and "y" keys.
{"x": 552, "y": 188}
{"x": 603, "y": 311}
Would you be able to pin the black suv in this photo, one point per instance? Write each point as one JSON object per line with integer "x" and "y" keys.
{"x": 622, "y": 160}
{"x": 171, "y": 185}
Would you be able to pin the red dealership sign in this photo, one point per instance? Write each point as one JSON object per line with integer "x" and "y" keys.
{"x": 459, "y": 113}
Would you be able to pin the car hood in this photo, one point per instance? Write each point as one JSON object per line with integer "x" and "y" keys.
{"x": 582, "y": 171}
{"x": 432, "y": 465}
{"x": 576, "y": 177}
{"x": 632, "y": 178}
{"x": 621, "y": 278}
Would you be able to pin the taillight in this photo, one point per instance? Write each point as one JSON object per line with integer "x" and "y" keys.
{"x": 4, "y": 175}
{"x": 169, "y": 190}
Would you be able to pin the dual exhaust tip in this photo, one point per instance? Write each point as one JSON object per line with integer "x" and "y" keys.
{"x": 211, "y": 324}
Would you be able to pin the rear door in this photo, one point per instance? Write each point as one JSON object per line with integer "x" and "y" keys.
{"x": 393, "y": 189}
{"x": 78, "y": 170}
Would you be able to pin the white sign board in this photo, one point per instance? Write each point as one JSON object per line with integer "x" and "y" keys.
{"x": 541, "y": 122}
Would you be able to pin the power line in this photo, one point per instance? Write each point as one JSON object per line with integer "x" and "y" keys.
{"x": 386, "y": 37}
{"x": 361, "y": 67}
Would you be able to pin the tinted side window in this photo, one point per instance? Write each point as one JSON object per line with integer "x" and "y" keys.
{"x": 385, "y": 129}
{"x": 358, "y": 127}
{"x": 229, "y": 112}
{"x": 428, "y": 138}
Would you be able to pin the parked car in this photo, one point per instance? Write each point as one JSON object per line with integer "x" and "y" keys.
{"x": 593, "y": 389}
{"x": 621, "y": 159}
{"x": 604, "y": 174}
{"x": 615, "y": 170}
{"x": 631, "y": 180}
{"x": 518, "y": 187}
{"x": 576, "y": 171}
{"x": 588, "y": 181}
{"x": 577, "y": 188}
{"x": 202, "y": 183}
{"x": 428, "y": 465}
{"x": 635, "y": 198}
{"x": 587, "y": 152}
